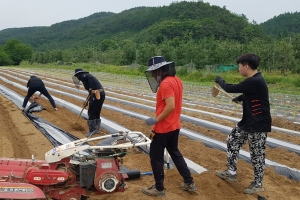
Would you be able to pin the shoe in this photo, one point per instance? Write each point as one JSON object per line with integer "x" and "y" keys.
{"x": 253, "y": 188}
{"x": 152, "y": 191}
{"x": 226, "y": 175}
{"x": 188, "y": 187}
{"x": 56, "y": 109}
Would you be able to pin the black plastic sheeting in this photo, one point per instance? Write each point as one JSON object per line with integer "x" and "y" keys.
{"x": 7, "y": 93}
{"x": 35, "y": 107}
{"x": 291, "y": 174}
{"x": 271, "y": 142}
{"x": 288, "y": 172}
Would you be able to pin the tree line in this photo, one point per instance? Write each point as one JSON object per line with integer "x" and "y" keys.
{"x": 280, "y": 54}
{"x": 185, "y": 32}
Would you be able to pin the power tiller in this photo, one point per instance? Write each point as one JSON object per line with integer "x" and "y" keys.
{"x": 75, "y": 170}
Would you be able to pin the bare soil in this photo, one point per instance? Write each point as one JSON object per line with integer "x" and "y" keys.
{"x": 20, "y": 139}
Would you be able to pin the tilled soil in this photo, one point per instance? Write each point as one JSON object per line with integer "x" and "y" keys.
{"x": 20, "y": 139}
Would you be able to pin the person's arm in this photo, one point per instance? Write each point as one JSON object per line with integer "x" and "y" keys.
{"x": 28, "y": 83}
{"x": 97, "y": 94}
{"x": 242, "y": 87}
{"x": 238, "y": 99}
{"x": 170, "y": 106}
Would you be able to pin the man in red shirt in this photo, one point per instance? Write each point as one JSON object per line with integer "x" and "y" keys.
{"x": 166, "y": 124}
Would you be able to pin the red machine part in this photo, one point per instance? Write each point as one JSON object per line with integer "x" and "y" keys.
{"x": 37, "y": 179}
{"x": 13, "y": 170}
{"x": 38, "y": 176}
{"x": 10, "y": 190}
{"x": 108, "y": 178}
{"x": 12, "y": 184}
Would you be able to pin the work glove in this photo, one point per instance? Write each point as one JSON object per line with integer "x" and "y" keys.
{"x": 150, "y": 121}
{"x": 236, "y": 100}
{"x": 218, "y": 79}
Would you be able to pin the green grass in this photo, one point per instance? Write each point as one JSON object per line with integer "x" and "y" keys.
{"x": 285, "y": 84}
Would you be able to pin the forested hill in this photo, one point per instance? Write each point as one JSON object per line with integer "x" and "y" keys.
{"x": 58, "y": 36}
{"x": 283, "y": 25}
{"x": 182, "y": 20}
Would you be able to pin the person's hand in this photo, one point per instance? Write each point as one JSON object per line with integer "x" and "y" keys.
{"x": 91, "y": 92}
{"x": 35, "y": 98}
{"x": 218, "y": 79}
{"x": 150, "y": 121}
{"x": 235, "y": 100}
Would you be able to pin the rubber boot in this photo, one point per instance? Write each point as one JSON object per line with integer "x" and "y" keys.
{"x": 97, "y": 126}
{"x": 92, "y": 128}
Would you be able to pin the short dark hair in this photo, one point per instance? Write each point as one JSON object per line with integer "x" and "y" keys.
{"x": 250, "y": 59}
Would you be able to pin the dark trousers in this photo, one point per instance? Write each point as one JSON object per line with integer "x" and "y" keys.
{"x": 170, "y": 142}
{"x": 95, "y": 107}
{"x": 41, "y": 89}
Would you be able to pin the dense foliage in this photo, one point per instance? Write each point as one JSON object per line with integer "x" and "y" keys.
{"x": 284, "y": 25}
{"x": 193, "y": 20}
{"x": 190, "y": 33}
{"x": 13, "y": 52}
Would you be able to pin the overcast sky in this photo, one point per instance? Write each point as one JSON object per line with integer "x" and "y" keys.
{"x": 28, "y": 13}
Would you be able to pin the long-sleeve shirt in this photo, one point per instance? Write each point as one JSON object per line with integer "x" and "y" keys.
{"x": 256, "y": 106}
{"x": 34, "y": 81}
{"x": 91, "y": 82}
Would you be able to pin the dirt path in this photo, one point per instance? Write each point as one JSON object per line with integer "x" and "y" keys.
{"x": 19, "y": 138}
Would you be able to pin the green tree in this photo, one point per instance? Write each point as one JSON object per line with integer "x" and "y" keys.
{"x": 284, "y": 56}
{"x": 18, "y": 51}
{"x": 296, "y": 45}
{"x": 107, "y": 44}
{"x": 4, "y": 58}
{"x": 129, "y": 52}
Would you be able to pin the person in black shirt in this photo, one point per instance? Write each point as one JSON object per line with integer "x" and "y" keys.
{"x": 35, "y": 84}
{"x": 255, "y": 123}
{"x": 97, "y": 97}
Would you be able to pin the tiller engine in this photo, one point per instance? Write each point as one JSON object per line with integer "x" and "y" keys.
{"x": 75, "y": 170}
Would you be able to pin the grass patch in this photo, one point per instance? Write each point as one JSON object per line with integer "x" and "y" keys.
{"x": 285, "y": 84}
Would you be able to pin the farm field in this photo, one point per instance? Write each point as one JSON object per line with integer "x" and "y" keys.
{"x": 20, "y": 139}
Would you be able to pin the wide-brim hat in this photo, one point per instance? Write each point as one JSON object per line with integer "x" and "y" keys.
{"x": 78, "y": 71}
{"x": 157, "y": 62}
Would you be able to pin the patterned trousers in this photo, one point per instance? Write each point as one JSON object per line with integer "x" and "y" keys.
{"x": 257, "y": 146}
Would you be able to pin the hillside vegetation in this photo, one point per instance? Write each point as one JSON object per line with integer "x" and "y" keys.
{"x": 283, "y": 25}
{"x": 195, "y": 20}
{"x": 189, "y": 33}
